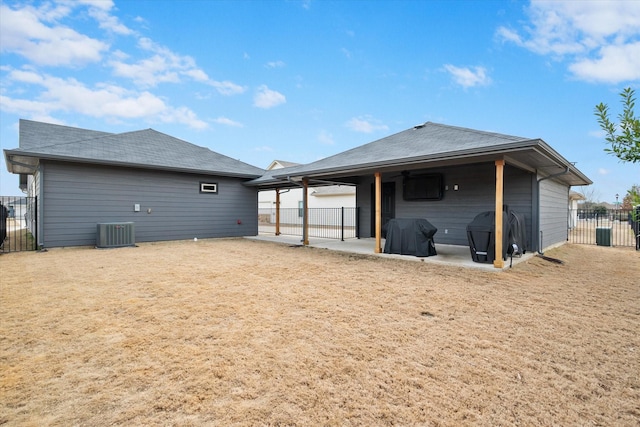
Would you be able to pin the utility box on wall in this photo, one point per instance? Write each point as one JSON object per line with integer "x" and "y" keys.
{"x": 115, "y": 234}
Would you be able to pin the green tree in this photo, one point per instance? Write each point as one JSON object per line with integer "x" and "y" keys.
{"x": 626, "y": 144}
{"x": 600, "y": 210}
{"x": 632, "y": 198}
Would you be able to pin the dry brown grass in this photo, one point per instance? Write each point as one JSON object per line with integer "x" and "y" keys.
{"x": 239, "y": 332}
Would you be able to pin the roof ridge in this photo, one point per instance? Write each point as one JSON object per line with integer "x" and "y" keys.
{"x": 111, "y": 135}
{"x": 484, "y": 132}
{"x": 62, "y": 126}
{"x": 108, "y": 135}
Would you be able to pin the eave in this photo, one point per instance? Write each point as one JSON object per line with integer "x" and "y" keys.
{"x": 20, "y": 162}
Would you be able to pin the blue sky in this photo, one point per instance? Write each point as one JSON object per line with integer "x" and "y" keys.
{"x": 303, "y": 80}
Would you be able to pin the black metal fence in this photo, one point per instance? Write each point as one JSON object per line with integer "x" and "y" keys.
{"x": 18, "y": 226}
{"x": 605, "y": 227}
{"x": 327, "y": 223}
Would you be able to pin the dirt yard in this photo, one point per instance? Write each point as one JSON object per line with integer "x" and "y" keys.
{"x": 235, "y": 332}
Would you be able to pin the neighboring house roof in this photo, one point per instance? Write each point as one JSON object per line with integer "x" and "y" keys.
{"x": 574, "y": 195}
{"x": 267, "y": 180}
{"x": 280, "y": 164}
{"x": 435, "y": 145}
{"x": 148, "y": 149}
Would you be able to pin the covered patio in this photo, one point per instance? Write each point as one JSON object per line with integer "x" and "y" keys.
{"x": 452, "y": 255}
{"x": 448, "y": 176}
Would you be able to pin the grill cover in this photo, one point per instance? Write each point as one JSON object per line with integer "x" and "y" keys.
{"x": 410, "y": 236}
{"x": 517, "y": 234}
{"x": 481, "y": 231}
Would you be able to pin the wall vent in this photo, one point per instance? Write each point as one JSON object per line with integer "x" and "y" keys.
{"x": 116, "y": 235}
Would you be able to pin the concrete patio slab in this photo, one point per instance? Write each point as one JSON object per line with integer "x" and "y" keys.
{"x": 458, "y": 256}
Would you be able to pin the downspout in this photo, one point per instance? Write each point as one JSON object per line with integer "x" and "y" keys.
{"x": 538, "y": 231}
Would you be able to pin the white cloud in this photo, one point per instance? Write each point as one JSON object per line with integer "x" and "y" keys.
{"x": 275, "y": 64}
{"x": 603, "y": 171}
{"x": 365, "y": 124}
{"x": 267, "y": 98}
{"x": 509, "y": 35}
{"x": 227, "y": 87}
{"x": 162, "y": 67}
{"x": 61, "y": 95}
{"x": 227, "y": 122}
{"x": 183, "y": 115}
{"x": 468, "y": 76}
{"x": 147, "y": 72}
{"x": 594, "y": 36}
{"x": 99, "y": 10}
{"x": 105, "y": 5}
{"x": 166, "y": 66}
{"x": 25, "y": 107}
{"x": 614, "y": 64}
{"x": 25, "y": 32}
{"x": 325, "y": 137}
{"x": 43, "y": 35}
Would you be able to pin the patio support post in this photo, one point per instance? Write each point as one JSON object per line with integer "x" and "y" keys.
{"x": 277, "y": 211}
{"x": 305, "y": 212}
{"x": 498, "y": 262}
{"x": 378, "y": 248}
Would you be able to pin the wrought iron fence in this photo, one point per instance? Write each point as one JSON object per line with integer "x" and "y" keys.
{"x": 605, "y": 227}
{"x": 327, "y": 223}
{"x": 18, "y": 227}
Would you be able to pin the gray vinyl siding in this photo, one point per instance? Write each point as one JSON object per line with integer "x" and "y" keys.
{"x": 475, "y": 194}
{"x": 554, "y": 212}
{"x": 77, "y": 197}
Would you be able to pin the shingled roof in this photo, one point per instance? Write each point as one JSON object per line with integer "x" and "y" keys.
{"x": 433, "y": 144}
{"x": 147, "y": 149}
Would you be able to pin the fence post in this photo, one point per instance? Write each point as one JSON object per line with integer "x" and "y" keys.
{"x": 342, "y": 223}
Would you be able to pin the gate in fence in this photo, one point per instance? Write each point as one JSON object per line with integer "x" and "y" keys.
{"x": 18, "y": 226}
{"x": 326, "y": 223}
{"x": 602, "y": 227}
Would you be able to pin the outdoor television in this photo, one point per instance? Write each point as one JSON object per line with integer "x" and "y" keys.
{"x": 422, "y": 187}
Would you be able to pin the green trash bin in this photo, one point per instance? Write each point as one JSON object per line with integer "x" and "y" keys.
{"x": 603, "y": 236}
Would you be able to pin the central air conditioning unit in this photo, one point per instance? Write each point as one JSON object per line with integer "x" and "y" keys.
{"x": 116, "y": 235}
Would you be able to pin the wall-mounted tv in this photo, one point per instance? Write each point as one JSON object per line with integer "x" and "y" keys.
{"x": 423, "y": 187}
